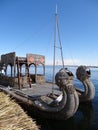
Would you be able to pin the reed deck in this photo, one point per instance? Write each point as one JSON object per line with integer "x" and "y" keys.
{"x": 41, "y": 89}
{"x": 37, "y": 89}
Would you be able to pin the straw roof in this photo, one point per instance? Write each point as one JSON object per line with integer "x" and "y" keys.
{"x": 12, "y": 116}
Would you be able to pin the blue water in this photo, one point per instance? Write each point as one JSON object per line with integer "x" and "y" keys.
{"x": 86, "y": 117}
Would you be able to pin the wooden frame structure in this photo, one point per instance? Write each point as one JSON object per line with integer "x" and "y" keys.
{"x": 16, "y": 63}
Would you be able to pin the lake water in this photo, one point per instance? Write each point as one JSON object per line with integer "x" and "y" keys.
{"x": 86, "y": 117}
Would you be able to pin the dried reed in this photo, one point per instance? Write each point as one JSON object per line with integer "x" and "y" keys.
{"x": 12, "y": 116}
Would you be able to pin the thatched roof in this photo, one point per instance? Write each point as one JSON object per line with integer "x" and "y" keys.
{"x": 12, "y": 116}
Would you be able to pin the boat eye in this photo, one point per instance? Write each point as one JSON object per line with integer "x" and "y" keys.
{"x": 88, "y": 71}
{"x": 69, "y": 73}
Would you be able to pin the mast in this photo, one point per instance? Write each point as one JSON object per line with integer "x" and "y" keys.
{"x": 59, "y": 41}
{"x": 54, "y": 51}
{"x": 56, "y": 29}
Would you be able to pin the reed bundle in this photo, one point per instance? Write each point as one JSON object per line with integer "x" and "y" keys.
{"x": 12, "y": 116}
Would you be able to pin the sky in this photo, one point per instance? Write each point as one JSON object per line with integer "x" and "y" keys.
{"x": 27, "y": 26}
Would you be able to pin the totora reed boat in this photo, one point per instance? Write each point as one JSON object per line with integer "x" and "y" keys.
{"x": 59, "y": 100}
{"x": 34, "y": 92}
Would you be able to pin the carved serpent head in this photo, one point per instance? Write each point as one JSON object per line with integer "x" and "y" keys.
{"x": 83, "y": 73}
{"x": 64, "y": 77}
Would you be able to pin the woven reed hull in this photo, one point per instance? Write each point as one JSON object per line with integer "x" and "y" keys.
{"x": 88, "y": 93}
{"x": 63, "y": 114}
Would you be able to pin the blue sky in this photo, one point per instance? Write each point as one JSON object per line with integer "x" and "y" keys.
{"x": 27, "y": 26}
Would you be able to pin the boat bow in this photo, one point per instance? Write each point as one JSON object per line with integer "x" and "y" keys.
{"x": 83, "y": 73}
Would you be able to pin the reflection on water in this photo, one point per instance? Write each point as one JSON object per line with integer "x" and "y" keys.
{"x": 84, "y": 122}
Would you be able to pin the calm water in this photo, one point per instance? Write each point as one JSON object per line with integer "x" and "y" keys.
{"x": 86, "y": 117}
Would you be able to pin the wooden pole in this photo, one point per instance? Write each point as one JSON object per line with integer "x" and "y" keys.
{"x": 28, "y": 75}
{"x": 18, "y": 70}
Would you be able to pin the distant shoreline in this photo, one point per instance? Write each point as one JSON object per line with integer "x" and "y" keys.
{"x": 91, "y": 66}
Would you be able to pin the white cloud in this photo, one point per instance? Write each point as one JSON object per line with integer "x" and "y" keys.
{"x": 66, "y": 62}
{"x": 71, "y": 62}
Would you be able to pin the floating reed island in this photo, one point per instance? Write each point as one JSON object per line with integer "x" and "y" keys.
{"x": 12, "y": 116}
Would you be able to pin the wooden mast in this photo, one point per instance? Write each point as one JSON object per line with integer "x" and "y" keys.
{"x": 56, "y": 29}
{"x": 60, "y": 47}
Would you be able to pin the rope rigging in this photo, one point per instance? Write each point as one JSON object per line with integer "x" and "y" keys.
{"x": 56, "y": 29}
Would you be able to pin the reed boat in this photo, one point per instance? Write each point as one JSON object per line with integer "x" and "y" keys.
{"x": 59, "y": 100}
{"x": 33, "y": 91}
